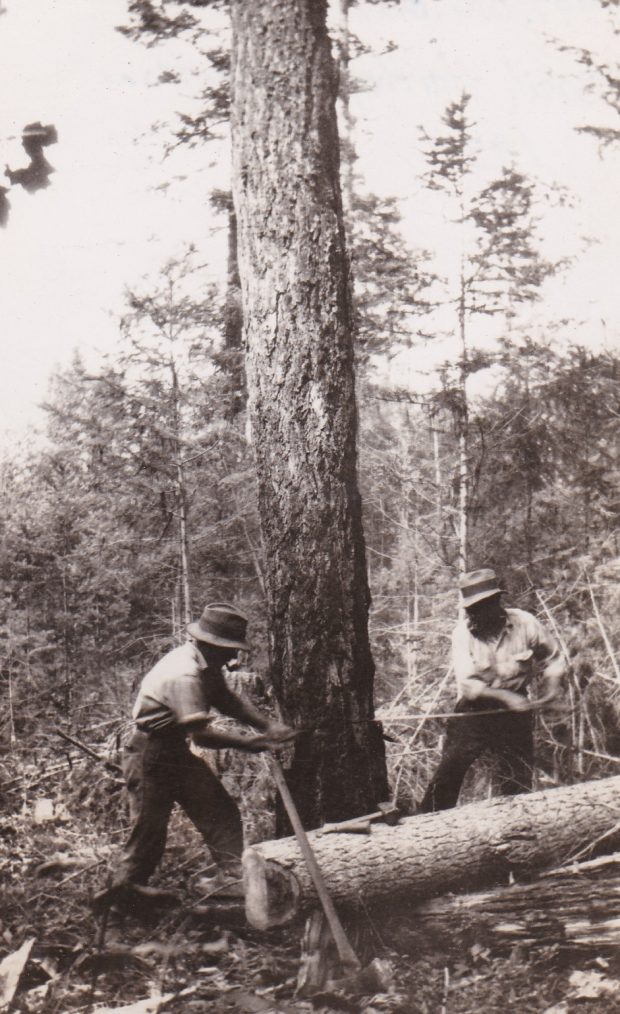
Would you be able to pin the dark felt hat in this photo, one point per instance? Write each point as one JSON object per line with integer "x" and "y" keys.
{"x": 221, "y": 624}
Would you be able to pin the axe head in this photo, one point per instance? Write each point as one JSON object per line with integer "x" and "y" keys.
{"x": 389, "y": 813}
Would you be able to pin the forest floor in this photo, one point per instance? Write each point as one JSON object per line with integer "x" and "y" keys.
{"x": 58, "y": 840}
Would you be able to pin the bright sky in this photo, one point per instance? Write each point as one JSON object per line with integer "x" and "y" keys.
{"x": 69, "y": 251}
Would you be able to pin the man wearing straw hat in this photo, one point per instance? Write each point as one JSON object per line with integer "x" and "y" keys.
{"x": 496, "y": 652}
{"x": 174, "y": 705}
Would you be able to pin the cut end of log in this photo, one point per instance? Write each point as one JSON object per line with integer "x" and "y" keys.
{"x": 271, "y": 892}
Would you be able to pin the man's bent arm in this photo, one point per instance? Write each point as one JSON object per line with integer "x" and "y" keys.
{"x": 553, "y": 683}
{"x": 473, "y": 689}
{"x": 204, "y": 735}
{"x": 229, "y": 703}
{"x": 239, "y": 708}
{"x": 547, "y": 651}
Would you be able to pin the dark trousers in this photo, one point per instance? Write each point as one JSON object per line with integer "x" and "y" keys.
{"x": 160, "y": 770}
{"x": 509, "y": 736}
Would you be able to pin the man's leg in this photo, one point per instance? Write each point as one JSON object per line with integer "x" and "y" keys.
{"x": 212, "y": 811}
{"x": 150, "y": 804}
{"x": 516, "y": 753}
{"x": 464, "y": 742}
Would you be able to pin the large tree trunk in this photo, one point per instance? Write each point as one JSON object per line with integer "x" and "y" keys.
{"x": 460, "y": 849}
{"x": 294, "y": 277}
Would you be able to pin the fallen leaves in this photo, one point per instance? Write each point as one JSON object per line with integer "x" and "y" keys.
{"x": 11, "y": 970}
{"x": 590, "y": 985}
{"x": 43, "y": 810}
{"x": 152, "y": 1005}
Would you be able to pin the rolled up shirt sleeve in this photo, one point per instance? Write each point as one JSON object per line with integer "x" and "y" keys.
{"x": 468, "y": 681}
{"x": 186, "y": 700}
{"x": 471, "y": 688}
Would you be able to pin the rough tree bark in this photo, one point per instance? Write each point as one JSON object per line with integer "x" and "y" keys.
{"x": 232, "y": 357}
{"x": 297, "y": 318}
{"x": 576, "y": 907}
{"x": 461, "y": 849}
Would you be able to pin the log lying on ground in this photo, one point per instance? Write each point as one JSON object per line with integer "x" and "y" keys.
{"x": 467, "y": 848}
{"x": 577, "y": 907}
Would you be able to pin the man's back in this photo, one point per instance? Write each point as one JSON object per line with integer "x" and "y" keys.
{"x": 172, "y": 691}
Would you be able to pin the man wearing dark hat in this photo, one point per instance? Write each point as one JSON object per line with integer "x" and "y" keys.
{"x": 174, "y": 704}
{"x": 496, "y": 652}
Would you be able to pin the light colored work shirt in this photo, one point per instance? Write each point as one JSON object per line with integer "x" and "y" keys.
{"x": 508, "y": 662}
{"x": 176, "y": 691}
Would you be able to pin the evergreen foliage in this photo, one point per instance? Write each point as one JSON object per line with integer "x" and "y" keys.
{"x": 141, "y": 506}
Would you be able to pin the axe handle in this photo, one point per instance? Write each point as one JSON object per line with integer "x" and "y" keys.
{"x": 346, "y": 953}
{"x": 347, "y": 827}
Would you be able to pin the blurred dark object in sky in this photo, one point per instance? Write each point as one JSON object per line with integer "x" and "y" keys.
{"x": 35, "y": 137}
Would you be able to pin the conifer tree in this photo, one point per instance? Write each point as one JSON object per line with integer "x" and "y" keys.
{"x": 499, "y": 268}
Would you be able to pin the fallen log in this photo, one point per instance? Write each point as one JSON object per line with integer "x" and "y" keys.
{"x": 576, "y": 907}
{"x": 467, "y": 848}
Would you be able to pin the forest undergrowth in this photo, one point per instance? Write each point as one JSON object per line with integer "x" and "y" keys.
{"x": 63, "y": 821}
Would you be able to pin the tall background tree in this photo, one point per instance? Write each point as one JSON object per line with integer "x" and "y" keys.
{"x": 498, "y": 267}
